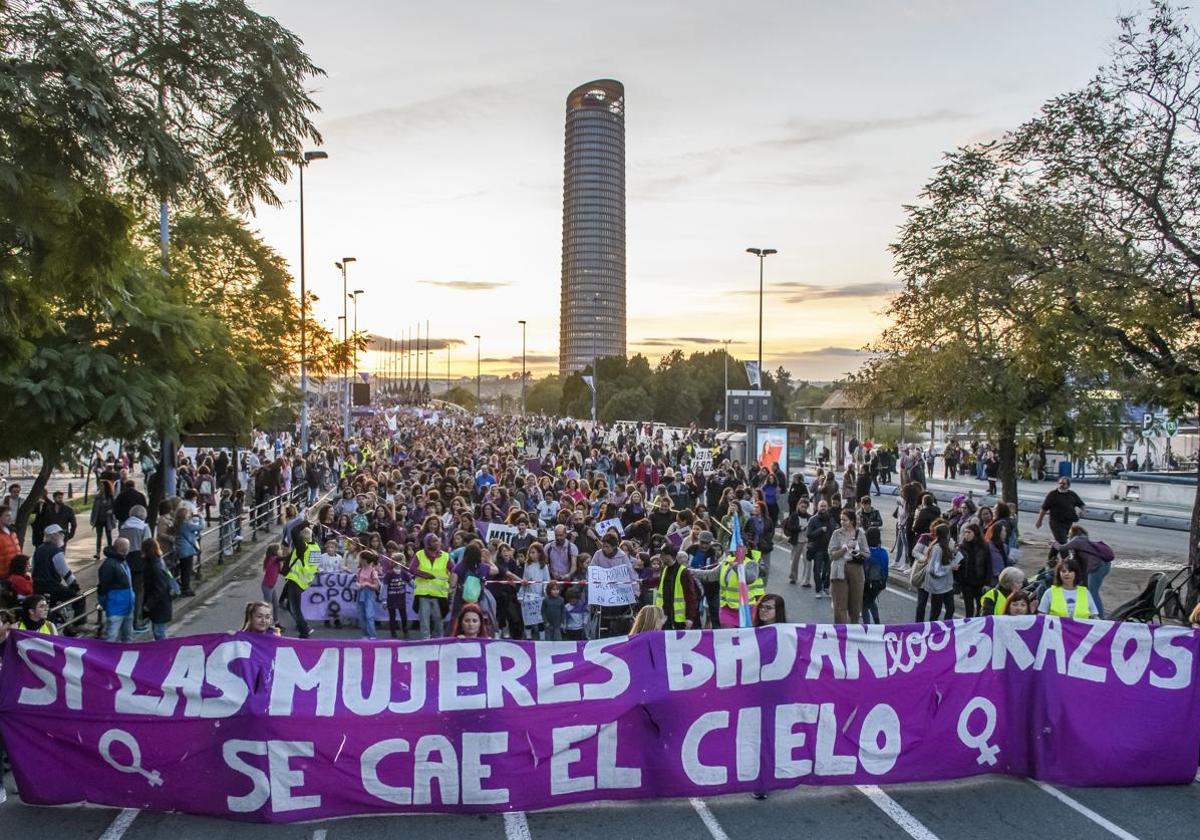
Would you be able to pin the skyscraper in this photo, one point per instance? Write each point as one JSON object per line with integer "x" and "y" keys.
{"x": 592, "y": 304}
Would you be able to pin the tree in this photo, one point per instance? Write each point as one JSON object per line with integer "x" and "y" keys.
{"x": 626, "y": 404}
{"x": 544, "y": 396}
{"x": 1124, "y": 151}
{"x": 461, "y": 396}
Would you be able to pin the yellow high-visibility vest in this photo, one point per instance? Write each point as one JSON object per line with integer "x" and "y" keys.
{"x": 1058, "y": 603}
{"x": 301, "y": 568}
{"x": 437, "y": 586}
{"x": 679, "y": 607}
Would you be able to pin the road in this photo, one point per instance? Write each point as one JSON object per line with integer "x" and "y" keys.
{"x": 991, "y": 807}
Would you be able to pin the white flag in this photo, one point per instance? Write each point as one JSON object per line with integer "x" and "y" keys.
{"x": 754, "y": 374}
{"x": 589, "y": 382}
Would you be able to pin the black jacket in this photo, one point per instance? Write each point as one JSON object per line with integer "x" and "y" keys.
{"x": 156, "y": 600}
{"x": 819, "y": 531}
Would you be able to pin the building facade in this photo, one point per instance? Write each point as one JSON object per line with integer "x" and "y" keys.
{"x": 592, "y": 304}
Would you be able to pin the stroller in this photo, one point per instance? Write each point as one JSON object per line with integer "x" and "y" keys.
{"x": 1161, "y": 601}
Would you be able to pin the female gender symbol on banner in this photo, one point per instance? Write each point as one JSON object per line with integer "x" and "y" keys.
{"x": 120, "y": 736}
{"x": 979, "y": 740}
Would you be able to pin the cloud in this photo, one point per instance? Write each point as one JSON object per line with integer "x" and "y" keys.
{"x": 466, "y": 285}
{"x": 671, "y": 342}
{"x": 689, "y": 167}
{"x": 381, "y": 342}
{"x": 797, "y": 292}
{"x": 530, "y": 359}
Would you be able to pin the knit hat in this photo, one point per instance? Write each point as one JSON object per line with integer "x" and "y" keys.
{"x": 706, "y": 536}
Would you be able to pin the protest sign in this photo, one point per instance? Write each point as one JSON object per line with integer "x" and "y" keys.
{"x": 611, "y": 587}
{"x": 332, "y": 596}
{"x": 702, "y": 460}
{"x": 533, "y": 466}
{"x": 256, "y": 728}
{"x": 504, "y": 533}
{"x": 603, "y": 527}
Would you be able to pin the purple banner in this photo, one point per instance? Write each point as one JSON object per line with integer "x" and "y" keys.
{"x": 257, "y": 728}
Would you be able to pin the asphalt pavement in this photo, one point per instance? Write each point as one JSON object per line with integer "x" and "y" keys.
{"x": 985, "y": 807}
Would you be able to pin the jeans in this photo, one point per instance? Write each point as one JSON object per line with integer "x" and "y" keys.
{"x": 118, "y": 628}
{"x": 430, "y": 612}
{"x": 366, "y": 613}
{"x": 922, "y": 602}
{"x": 802, "y": 567}
{"x": 870, "y": 601}
{"x": 160, "y": 630}
{"x": 1094, "y": 579}
{"x": 291, "y": 596}
{"x": 272, "y": 598}
{"x": 939, "y": 602}
{"x": 821, "y": 572}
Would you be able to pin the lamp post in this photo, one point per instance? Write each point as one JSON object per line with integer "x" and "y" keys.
{"x": 346, "y": 317}
{"x": 595, "y": 358}
{"x": 342, "y": 332}
{"x": 478, "y": 352}
{"x": 354, "y": 367}
{"x": 522, "y": 323}
{"x": 426, "y": 358}
{"x": 447, "y": 366}
{"x": 725, "y": 406}
{"x": 762, "y": 254}
{"x": 302, "y": 161}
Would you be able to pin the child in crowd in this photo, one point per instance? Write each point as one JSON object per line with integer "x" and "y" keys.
{"x": 272, "y": 565}
{"x": 876, "y": 571}
{"x": 576, "y": 615}
{"x": 395, "y": 578}
{"x": 368, "y": 592}
{"x": 554, "y": 612}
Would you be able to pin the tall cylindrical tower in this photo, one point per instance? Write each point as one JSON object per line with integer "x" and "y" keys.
{"x": 592, "y": 305}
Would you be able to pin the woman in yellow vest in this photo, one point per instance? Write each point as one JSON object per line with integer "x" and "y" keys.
{"x": 301, "y": 569}
{"x": 431, "y": 586}
{"x": 726, "y": 576}
{"x": 1066, "y": 598}
{"x": 993, "y": 601}
{"x": 34, "y": 612}
{"x": 677, "y": 593}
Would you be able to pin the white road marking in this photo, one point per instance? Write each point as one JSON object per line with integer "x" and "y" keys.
{"x": 516, "y": 827}
{"x": 902, "y": 594}
{"x": 912, "y": 826}
{"x": 1198, "y": 776}
{"x": 319, "y": 833}
{"x": 710, "y": 822}
{"x": 1079, "y": 807}
{"x": 120, "y": 824}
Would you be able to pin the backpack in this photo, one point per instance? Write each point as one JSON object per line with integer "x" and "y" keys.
{"x": 472, "y": 589}
{"x": 1102, "y": 550}
{"x": 920, "y": 564}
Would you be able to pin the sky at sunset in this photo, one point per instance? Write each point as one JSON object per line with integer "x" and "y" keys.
{"x": 801, "y": 126}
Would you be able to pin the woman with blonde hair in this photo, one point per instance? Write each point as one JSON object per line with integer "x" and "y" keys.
{"x": 649, "y": 618}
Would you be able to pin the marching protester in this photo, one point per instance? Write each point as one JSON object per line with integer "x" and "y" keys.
{"x": 1065, "y": 598}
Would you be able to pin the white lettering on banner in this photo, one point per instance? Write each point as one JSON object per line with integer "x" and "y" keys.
{"x": 1179, "y": 657}
{"x": 879, "y": 743}
{"x": 277, "y": 784}
{"x": 47, "y": 693}
{"x": 1077, "y": 666}
{"x": 733, "y": 649}
{"x": 476, "y": 745}
{"x": 502, "y": 680}
{"x": 418, "y": 657}
{"x": 451, "y": 679}
{"x": 369, "y": 769}
{"x": 611, "y": 587}
{"x": 426, "y": 771}
{"x": 290, "y": 676}
{"x": 618, "y": 669}
{"x": 548, "y": 668}
{"x": 73, "y": 677}
{"x": 686, "y": 669}
{"x": 353, "y": 682}
{"x": 564, "y": 754}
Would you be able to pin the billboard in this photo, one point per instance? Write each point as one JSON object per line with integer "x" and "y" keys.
{"x": 770, "y": 447}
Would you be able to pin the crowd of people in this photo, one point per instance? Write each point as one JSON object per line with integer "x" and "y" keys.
{"x": 435, "y": 511}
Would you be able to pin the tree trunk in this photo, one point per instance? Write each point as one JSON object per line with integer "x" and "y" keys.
{"x": 1194, "y": 547}
{"x": 1008, "y": 466}
{"x": 35, "y": 494}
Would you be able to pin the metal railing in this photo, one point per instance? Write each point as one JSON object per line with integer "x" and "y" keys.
{"x": 215, "y": 544}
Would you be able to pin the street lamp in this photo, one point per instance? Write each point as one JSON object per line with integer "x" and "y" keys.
{"x": 595, "y": 359}
{"x": 346, "y": 317}
{"x": 725, "y": 407}
{"x": 478, "y": 350}
{"x": 354, "y": 367}
{"x": 522, "y": 323}
{"x": 762, "y": 254}
{"x": 302, "y": 161}
{"x": 342, "y": 332}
